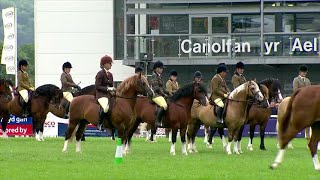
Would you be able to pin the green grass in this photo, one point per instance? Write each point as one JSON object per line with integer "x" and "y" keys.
{"x": 23, "y": 158}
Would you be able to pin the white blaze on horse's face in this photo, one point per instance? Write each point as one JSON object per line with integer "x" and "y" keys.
{"x": 280, "y": 95}
{"x": 257, "y": 92}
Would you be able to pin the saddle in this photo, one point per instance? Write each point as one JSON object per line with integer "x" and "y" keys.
{"x": 214, "y": 106}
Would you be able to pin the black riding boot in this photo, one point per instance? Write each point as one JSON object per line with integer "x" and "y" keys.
{"x": 160, "y": 114}
{"x": 101, "y": 117}
{"x": 66, "y": 113}
{"x": 219, "y": 111}
{"x": 25, "y": 112}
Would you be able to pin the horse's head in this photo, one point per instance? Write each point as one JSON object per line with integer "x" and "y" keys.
{"x": 200, "y": 93}
{"x": 264, "y": 90}
{"x": 142, "y": 86}
{"x": 6, "y": 88}
{"x": 274, "y": 87}
{"x": 254, "y": 91}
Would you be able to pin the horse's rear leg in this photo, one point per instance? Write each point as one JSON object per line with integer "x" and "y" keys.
{"x": 69, "y": 133}
{"x": 307, "y": 135}
{"x": 313, "y": 144}
{"x": 252, "y": 128}
{"x": 79, "y": 134}
{"x": 206, "y": 134}
{"x": 173, "y": 141}
{"x": 262, "y": 130}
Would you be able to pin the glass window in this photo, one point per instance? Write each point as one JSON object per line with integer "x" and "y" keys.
{"x": 301, "y": 22}
{"x": 130, "y": 24}
{"x": 174, "y": 24}
{"x": 220, "y": 24}
{"x": 246, "y": 23}
{"x": 118, "y": 29}
{"x": 199, "y": 25}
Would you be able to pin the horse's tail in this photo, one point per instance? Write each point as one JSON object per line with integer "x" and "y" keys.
{"x": 284, "y": 124}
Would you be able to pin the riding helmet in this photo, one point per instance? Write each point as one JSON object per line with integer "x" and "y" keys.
{"x": 138, "y": 69}
{"x": 23, "y": 63}
{"x": 222, "y": 68}
{"x": 158, "y": 64}
{"x": 105, "y": 59}
{"x": 303, "y": 68}
{"x": 240, "y": 65}
{"x": 197, "y": 74}
{"x": 66, "y": 65}
{"x": 173, "y": 73}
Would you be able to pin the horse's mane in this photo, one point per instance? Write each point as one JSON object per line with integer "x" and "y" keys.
{"x": 238, "y": 89}
{"x": 126, "y": 84}
{"x": 8, "y": 81}
{"x": 47, "y": 90}
{"x": 88, "y": 89}
{"x": 269, "y": 81}
{"x": 186, "y": 90}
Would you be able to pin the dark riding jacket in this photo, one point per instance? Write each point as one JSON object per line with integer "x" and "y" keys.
{"x": 237, "y": 80}
{"x": 218, "y": 88}
{"x": 157, "y": 84}
{"x": 67, "y": 82}
{"x": 24, "y": 81}
{"x": 103, "y": 81}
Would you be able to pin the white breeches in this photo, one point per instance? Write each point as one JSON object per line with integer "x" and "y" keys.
{"x": 24, "y": 95}
{"x": 104, "y": 102}
{"x": 68, "y": 96}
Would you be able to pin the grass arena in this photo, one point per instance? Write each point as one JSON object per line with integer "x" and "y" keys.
{"x": 23, "y": 158}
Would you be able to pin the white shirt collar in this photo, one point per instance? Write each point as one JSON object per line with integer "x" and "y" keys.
{"x": 106, "y": 70}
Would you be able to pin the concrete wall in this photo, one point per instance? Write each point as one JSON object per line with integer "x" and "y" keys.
{"x": 78, "y": 31}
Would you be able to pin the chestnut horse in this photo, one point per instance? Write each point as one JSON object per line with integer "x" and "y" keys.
{"x": 177, "y": 115}
{"x": 237, "y": 108}
{"x": 85, "y": 109}
{"x": 39, "y": 106}
{"x": 302, "y": 111}
{"x": 259, "y": 115}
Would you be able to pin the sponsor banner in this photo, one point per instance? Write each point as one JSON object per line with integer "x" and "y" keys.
{"x": 90, "y": 131}
{"x": 270, "y": 130}
{"x": 19, "y": 130}
{"x": 50, "y": 128}
{"x": 18, "y": 120}
{"x": 9, "y": 50}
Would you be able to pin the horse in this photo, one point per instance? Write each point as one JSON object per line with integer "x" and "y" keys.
{"x": 5, "y": 96}
{"x": 236, "y": 110}
{"x": 281, "y": 111}
{"x": 177, "y": 115}
{"x": 39, "y": 106}
{"x": 271, "y": 89}
{"x": 85, "y": 109}
{"x": 302, "y": 111}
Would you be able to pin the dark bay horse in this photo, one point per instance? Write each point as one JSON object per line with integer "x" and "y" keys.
{"x": 260, "y": 114}
{"x": 85, "y": 109}
{"x": 5, "y": 96}
{"x": 39, "y": 106}
{"x": 302, "y": 111}
{"x": 237, "y": 107}
{"x": 177, "y": 114}
{"x": 63, "y": 111}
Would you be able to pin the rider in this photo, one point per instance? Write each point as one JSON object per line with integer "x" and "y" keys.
{"x": 301, "y": 80}
{"x": 24, "y": 85}
{"x": 139, "y": 70}
{"x": 160, "y": 91}
{"x": 197, "y": 77}
{"x": 219, "y": 91}
{"x": 238, "y": 78}
{"x": 172, "y": 84}
{"x": 104, "y": 87}
{"x": 67, "y": 82}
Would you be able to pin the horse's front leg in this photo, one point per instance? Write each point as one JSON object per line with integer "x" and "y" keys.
{"x": 173, "y": 142}
{"x": 262, "y": 130}
{"x": 237, "y": 140}
{"x": 4, "y": 124}
{"x": 183, "y": 140}
{"x": 252, "y": 128}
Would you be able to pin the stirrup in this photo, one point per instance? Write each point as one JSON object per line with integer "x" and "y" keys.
{"x": 100, "y": 127}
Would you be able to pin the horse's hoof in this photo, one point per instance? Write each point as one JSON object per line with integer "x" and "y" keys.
{"x": 186, "y": 154}
{"x": 195, "y": 151}
{"x": 79, "y": 151}
{"x": 190, "y": 151}
{"x": 229, "y": 152}
{"x": 209, "y": 145}
{"x": 274, "y": 166}
{"x": 263, "y": 149}
{"x": 240, "y": 152}
{"x": 172, "y": 153}
{"x": 64, "y": 150}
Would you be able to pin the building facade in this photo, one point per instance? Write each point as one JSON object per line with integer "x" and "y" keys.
{"x": 273, "y": 38}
